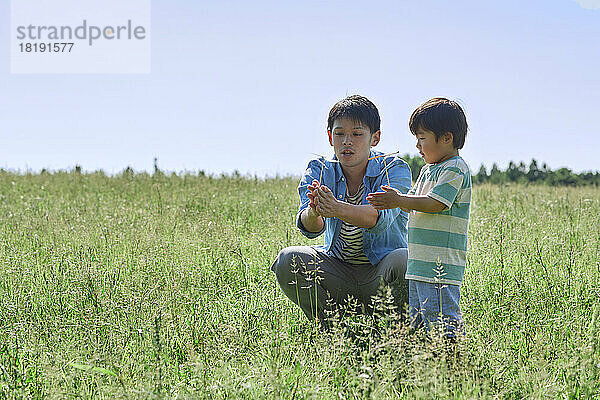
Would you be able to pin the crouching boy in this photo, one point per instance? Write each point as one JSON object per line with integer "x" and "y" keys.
{"x": 364, "y": 248}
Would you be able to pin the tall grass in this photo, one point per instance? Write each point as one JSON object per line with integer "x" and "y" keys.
{"x": 159, "y": 286}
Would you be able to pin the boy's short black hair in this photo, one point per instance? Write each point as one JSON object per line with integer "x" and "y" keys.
{"x": 356, "y": 108}
{"x": 440, "y": 115}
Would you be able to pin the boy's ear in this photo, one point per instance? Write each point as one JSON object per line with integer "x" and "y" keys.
{"x": 448, "y": 137}
{"x": 329, "y": 136}
{"x": 375, "y": 138}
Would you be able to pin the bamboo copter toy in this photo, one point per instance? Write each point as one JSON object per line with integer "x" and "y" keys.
{"x": 385, "y": 166}
{"x": 322, "y": 160}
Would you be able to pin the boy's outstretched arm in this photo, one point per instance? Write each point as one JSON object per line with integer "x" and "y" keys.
{"x": 393, "y": 198}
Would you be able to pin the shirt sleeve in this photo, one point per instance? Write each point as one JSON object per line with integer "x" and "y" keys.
{"x": 400, "y": 178}
{"x": 313, "y": 172}
{"x": 448, "y": 184}
{"x": 413, "y": 188}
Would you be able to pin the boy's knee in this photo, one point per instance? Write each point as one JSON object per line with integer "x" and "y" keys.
{"x": 287, "y": 260}
{"x": 396, "y": 267}
{"x": 394, "y": 270}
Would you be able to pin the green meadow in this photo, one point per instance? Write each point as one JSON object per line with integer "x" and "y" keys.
{"x": 158, "y": 286}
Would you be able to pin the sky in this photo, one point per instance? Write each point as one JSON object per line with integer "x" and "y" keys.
{"x": 247, "y": 86}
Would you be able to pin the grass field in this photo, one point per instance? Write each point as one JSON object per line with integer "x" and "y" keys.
{"x": 141, "y": 286}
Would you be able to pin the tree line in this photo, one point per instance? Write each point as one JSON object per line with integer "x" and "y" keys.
{"x": 520, "y": 173}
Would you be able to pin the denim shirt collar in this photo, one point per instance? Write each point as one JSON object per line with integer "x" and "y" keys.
{"x": 373, "y": 168}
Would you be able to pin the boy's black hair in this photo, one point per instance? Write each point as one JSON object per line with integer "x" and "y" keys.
{"x": 440, "y": 115}
{"x": 356, "y": 108}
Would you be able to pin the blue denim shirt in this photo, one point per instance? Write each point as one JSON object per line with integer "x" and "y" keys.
{"x": 389, "y": 233}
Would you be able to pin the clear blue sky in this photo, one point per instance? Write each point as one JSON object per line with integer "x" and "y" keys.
{"x": 247, "y": 85}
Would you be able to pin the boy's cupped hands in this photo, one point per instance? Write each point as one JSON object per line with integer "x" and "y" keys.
{"x": 322, "y": 200}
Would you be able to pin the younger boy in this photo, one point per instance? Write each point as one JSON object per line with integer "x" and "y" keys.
{"x": 439, "y": 204}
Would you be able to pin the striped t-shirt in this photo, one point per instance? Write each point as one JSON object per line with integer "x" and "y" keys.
{"x": 437, "y": 242}
{"x": 349, "y": 246}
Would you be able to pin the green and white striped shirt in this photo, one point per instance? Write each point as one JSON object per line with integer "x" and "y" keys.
{"x": 437, "y": 242}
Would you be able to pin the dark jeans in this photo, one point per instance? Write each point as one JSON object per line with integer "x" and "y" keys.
{"x": 318, "y": 282}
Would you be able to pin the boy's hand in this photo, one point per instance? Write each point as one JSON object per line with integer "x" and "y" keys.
{"x": 389, "y": 198}
{"x": 326, "y": 203}
{"x": 310, "y": 217}
{"x": 312, "y": 194}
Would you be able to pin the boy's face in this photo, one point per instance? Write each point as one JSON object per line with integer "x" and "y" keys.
{"x": 434, "y": 151}
{"x": 352, "y": 141}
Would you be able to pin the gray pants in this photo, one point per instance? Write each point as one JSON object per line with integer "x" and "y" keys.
{"x": 318, "y": 282}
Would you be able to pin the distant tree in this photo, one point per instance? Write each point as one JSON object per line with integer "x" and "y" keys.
{"x": 534, "y": 174}
{"x": 590, "y": 178}
{"x": 129, "y": 172}
{"x": 563, "y": 177}
{"x": 545, "y": 168}
{"x": 415, "y": 163}
{"x": 496, "y": 176}
{"x": 522, "y": 172}
{"x": 482, "y": 175}
{"x": 514, "y": 172}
